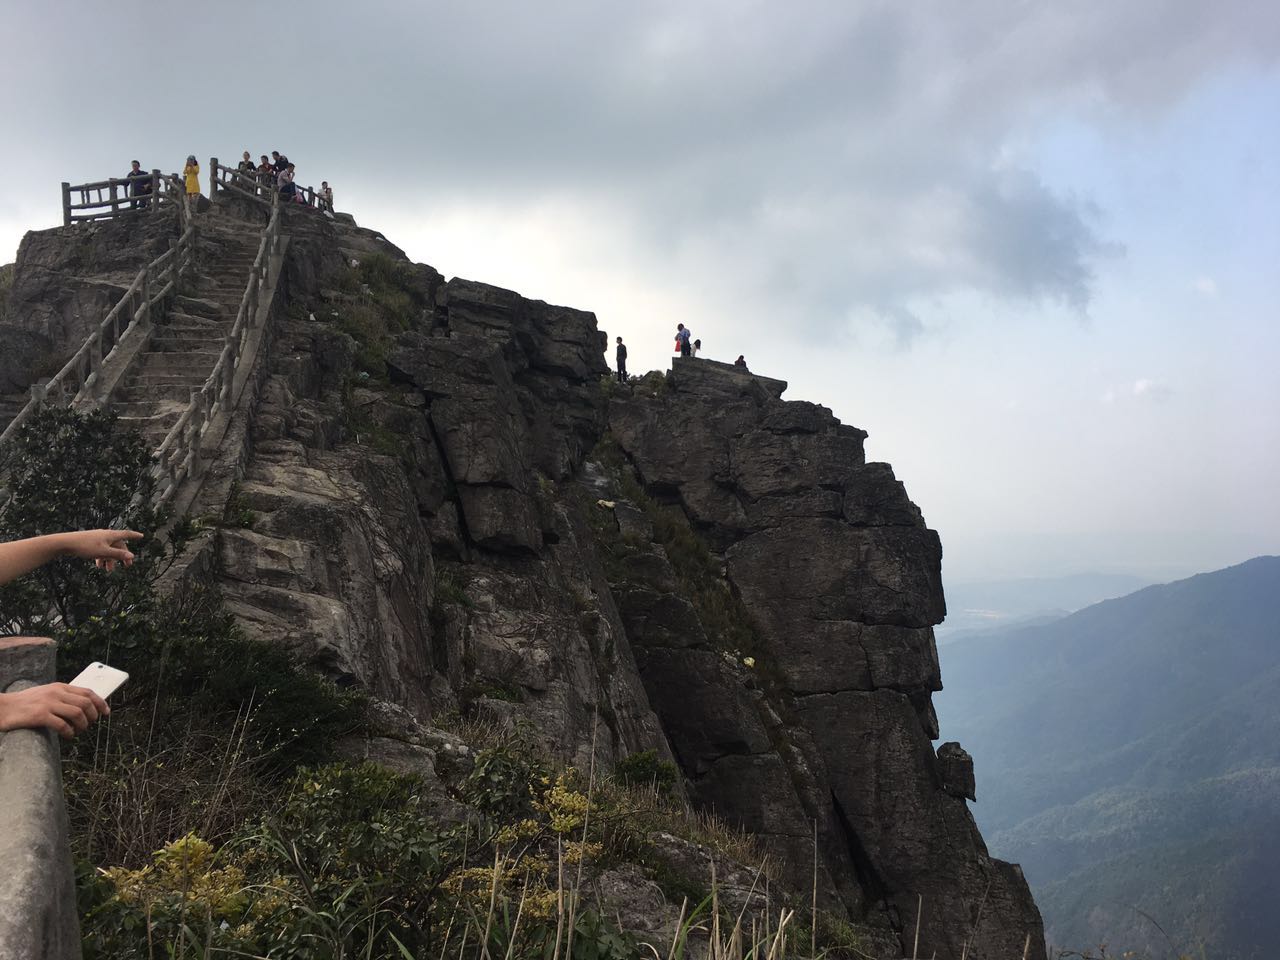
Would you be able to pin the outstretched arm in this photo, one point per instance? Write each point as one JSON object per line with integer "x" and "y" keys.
{"x": 105, "y": 547}
{"x": 58, "y": 706}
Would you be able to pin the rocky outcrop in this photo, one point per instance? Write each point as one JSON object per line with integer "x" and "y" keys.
{"x": 65, "y": 280}
{"x": 835, "y": 566}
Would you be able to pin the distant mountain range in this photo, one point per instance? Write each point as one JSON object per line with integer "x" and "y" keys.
{"x": 1128, "y": 756}
{"x": 986, "y": 605}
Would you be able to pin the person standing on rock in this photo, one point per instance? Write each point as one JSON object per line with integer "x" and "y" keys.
{"x": 697, "y": 348}
{"x": 740, "y": 362}
{"x": 622, "y": 361}
{"x": 139, "y": 186}
{"x": 191, "y": 172}
{"x": 247, "y": 166}
{"x": 326, "y": 196}
{"x": 682, "y": 340}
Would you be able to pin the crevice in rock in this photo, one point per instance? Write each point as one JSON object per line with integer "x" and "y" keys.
{"x": 864, "y": 870}
{"x": 451, "y": 485}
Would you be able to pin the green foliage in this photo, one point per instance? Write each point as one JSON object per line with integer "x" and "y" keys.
{"x": 384, "y": 302}
{"x": 210, "y": 720}
{"x": 449, "y": 590}
{"x": 500, "y": 783}
{"x": 69, "y": 471}
{"x": 237, "y": 512}
{"x": 352, "y": 865}
{"x": 646, "y": 769}
{"x": 721, "y": 612}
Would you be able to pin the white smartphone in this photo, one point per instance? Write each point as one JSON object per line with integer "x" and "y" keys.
{"x": 101, "y": 679}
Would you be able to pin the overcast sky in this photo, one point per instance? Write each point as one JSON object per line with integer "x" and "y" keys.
{"x": 1032, "y": 247}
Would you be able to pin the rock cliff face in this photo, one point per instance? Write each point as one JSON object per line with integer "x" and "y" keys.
{"x": 841, "y": 577}
{"x": 64, "y": 281}
{"x": 687, "y": 564}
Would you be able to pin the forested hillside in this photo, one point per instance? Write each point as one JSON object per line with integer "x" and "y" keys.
{"x": 1128, "y": 756}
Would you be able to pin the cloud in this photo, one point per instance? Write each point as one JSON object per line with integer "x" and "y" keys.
{"x": 830, "y": 160}
{"x": 1150, "y": 390}
{"x": 1205, "y": 286}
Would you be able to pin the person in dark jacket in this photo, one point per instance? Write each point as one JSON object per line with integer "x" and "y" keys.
{"x": 740, "y": 362}
{"x": 622, "y": 361}
{"x": 139, "y": 186}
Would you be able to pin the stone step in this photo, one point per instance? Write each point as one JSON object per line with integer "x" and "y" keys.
{"x": 199, "y": 307}
{"x": 180, "y": 343}
{"x": 151, "y": 392}
{"x": 156, "y": 427}
{"x": 179, "y": 319}
{"x": 143, "y": 409}
{"x": 176, "y": 363}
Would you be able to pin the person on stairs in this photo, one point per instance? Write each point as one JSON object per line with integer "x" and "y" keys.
{"x": 65, "y": 709}
{"x": 622, "y": 361}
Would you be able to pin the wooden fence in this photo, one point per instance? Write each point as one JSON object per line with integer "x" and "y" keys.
{"x": 236, "y": 181}
{"x": 110, "y": 198}
{"x": 136, "y": 309}
{"x": 178, "y": 456}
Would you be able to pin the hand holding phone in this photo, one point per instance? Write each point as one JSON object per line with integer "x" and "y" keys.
{"x": 101, "y": 679}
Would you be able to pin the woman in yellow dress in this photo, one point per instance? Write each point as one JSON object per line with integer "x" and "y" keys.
{"x": 192, "y": 174}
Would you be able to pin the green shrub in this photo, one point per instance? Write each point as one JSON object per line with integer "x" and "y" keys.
{"x": 500, "y": 783}
{"x": 71, "y": 471}
{"x": 645, "y": 769}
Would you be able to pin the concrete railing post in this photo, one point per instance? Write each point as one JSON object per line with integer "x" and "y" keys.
{"x": 66, "y": 204}
{"x": 213, "y": 177}
{"x": 38, "y": 917}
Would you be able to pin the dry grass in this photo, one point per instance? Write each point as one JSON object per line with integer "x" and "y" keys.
{"x": 136, "y": 796}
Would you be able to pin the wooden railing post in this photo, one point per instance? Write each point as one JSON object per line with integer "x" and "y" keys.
{"x": 213, "y": 177}
{"x": 66, "y": 204}
{"x": 144, "y": 316}
{"x": 38, "y": 394}
{"x": 155, "y": 191}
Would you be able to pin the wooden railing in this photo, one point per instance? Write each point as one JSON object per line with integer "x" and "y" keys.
{"x": 178, "y": 456}
{"x": 110, "y": 198}
{"x": 135, "y": 309}
{"x": 236, "y": 181}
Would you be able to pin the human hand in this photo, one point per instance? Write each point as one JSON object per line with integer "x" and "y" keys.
{"x": 105, "y": 548}
{"x": 58, "y": 706}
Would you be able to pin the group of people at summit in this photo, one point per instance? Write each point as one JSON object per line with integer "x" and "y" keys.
{"x": 685, "y": 345}
{"x": 276, "y": 173}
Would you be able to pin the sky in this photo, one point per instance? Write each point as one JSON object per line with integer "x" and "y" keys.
{"x": 1031, "y": 247}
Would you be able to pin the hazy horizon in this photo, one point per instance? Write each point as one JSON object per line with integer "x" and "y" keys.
{"x": 1031, "y": 249}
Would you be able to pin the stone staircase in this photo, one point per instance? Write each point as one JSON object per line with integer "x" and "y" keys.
{"x": 186, "y": 344}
